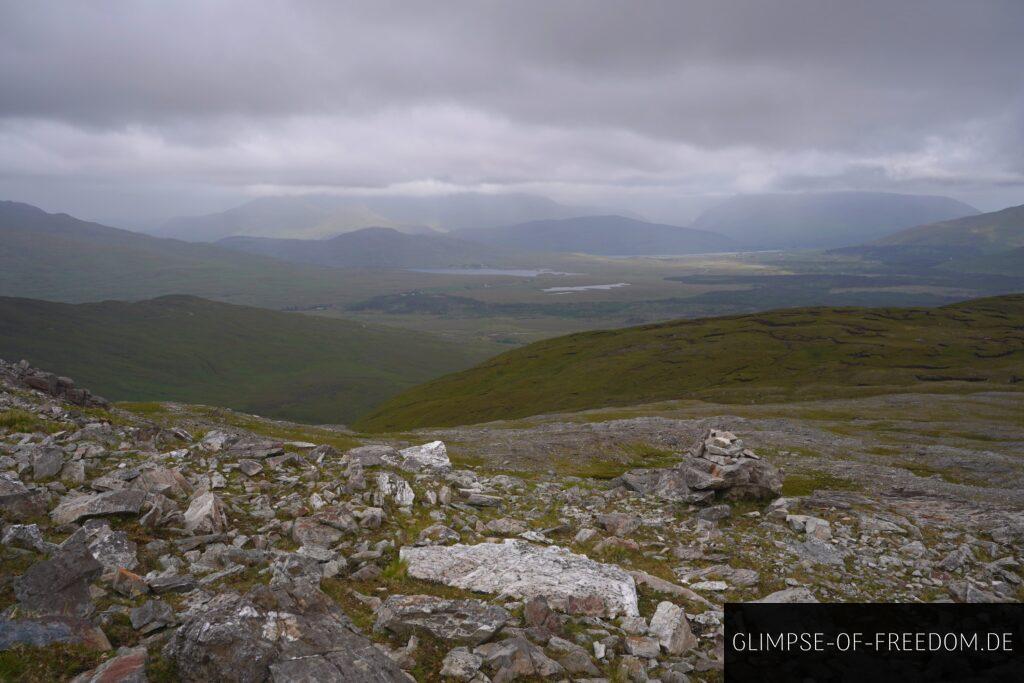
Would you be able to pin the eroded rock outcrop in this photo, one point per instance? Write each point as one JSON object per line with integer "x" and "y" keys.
{"x": 74, "y": 509}
{"x": 464, "y": 622}
{"x": 572, "y": 583}
{"x": 282, "y": 633}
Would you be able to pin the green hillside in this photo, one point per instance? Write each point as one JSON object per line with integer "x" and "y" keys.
{"x": 183, "y": 348}
{"x": 778, "y": 355}
{"x": 987, "y": 232}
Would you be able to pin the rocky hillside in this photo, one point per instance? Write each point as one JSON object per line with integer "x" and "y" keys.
{"x": 197, "y": 544}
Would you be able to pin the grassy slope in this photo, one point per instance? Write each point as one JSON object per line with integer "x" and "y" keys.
{"x": 188, "y": 349}
{"x": 777, "y": 355}
{"x": 988, "y": 232}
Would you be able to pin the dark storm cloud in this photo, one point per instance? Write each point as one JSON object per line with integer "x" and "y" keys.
{"x": 672, "y": 96}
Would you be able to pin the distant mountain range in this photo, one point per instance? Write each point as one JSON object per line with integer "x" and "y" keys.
{"x": 184, "y": 348}
{"x": 59, "y": 257}
{"x": 823, "y": 220}
{"x": 319, "y": 216}
{"x": 602, "y": 235}
{"x": 382, "y": 248}
{"x": 530, "y": 222}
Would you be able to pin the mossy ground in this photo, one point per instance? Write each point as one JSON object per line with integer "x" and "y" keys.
{"x": 16, "y": 420}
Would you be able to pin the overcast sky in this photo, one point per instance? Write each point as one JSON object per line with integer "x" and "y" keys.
{"x": 131, "y": 112}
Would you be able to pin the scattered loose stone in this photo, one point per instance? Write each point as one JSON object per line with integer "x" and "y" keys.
{"x": 466, "y": 622}
{"x": 252, "y": 543}
{"x": 73, "y": 509}
{"x": 670, "y": 627}
{"x": 206, "y": 515}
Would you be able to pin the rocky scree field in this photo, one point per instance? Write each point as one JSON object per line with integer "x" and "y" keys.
{"x": 173, "y": 542}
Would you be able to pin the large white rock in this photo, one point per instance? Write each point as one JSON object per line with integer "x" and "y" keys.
{"x": 572, "y": 583}
{"x": 391, "y": 486}
{"x": 789, "y": 596}
{"x": 670, "y": 627}
{"x": 429, "y": 456}
{"x": 205, "y": 515}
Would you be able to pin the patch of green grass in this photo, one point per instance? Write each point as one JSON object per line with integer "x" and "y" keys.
{"x": 885, "y": 450}
{"x": 52, "y": 663}
{"x": 274, "y": 429}
{"x": 646, "y": 455}
{"x": 953, "y": 434}
{"x": 777, "y": 356}
{"x": 16, "y": 420}
{"x": 148, "y": 408}
{"x": 634, "y": 456}
{"x": 340, "y": 590}
{"x": 160, "y": 669}
{"x": 948, "y": 475}
{"x": 396, "y": 580}
{"x": 807, "y": 482}
{"x": 289, "y": 431}
{"x": 119, "y": 631}
{"x": 243, "y": 581}
{"x": 13, "y": 563}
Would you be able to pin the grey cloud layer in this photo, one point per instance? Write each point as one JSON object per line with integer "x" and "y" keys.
{"x": 715, "y": 96}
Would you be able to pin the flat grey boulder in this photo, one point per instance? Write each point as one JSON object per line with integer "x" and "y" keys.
{"x": 286, "y": 633}
{"x": 49, "y": 630}
{"x": 47, "y": 462}
{"x": 462, "y": 665}
{"x": 464, "y": 622}
{"x": 17, "y": 502}
{"x": 60, "y": 585}
{"x": 788, "y": 596}
{"x": 122, "y": 502}
{"x": 372, "y": 456}
{"x": 163, "y": 480}
{"x": 573, "y": 584}
{"x": 113, "y": 549}
{"x": 431, "y": 457}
